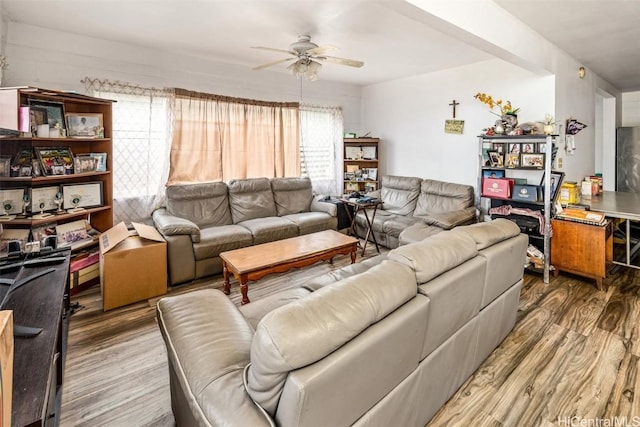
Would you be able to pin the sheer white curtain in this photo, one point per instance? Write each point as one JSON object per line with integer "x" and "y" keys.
{"x": 321, "y": 147}
{"x": 141, "y": 144}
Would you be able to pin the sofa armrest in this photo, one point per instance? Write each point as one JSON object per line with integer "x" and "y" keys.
{"x": 448, "y": 220}
{"x": 317, "y": 205}
{"x": 170, "y": 225}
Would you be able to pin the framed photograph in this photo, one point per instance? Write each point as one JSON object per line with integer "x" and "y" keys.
{"x": 11, "y": 201}
{"x": 542, "y": 148}
{"x": 492, "y": 174}
{"x": 85, "y": 125}
{"x": 498, "y": 147}
{"x": 5, "y": 165}
{"x": 42, "y": 199}
{"x": 85, "y": 195}
{"x": 496, "y": 159}
{"x": 55, "y": 111}
{"x": 372, "y": 173}
{"x": 55, "y": 160}
{"x": 11, "y": 234}
{"x": 527, "y": 148}
{"x": 532, "y": 160}
{"x": 351, "y": 152}
{"x": 514, "y": 148}
{"x": 71, "y": 232}
{"x": 556, "y": 182}
{"x": 101, "y": 159}
{"x": 83, "y": 163}
{"x": 512, "y": 160}
{"x": 37, "y": 116}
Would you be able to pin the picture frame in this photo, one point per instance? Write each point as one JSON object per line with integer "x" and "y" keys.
{"x": 495, "y": 159}
{"x": 512, "y": 160}
{"x": 498, "y": 147}
{"x": 5, "y": 165}
{"x": 532, "y": 160}
{"x": 85, "y": 125}
{"x": 542, "y": 148}
{"x": 351, "y": 152}
{"x": 11, "y": 234}
{"x": 101, "y": 159}
{"x": 72, "y": 232}
{"x": 85, "y": 195}
{"x": 12, "y": 200}
{"x": 55, "y": 160}
{"x": 37, "y": 116}
{"x": 487, "y": 173}
{"x": 514, "y": 148}
{"x": 527, "y": 148}
{"x": 55, "y": 111}
{"x": 42, "y": 199}
{"x": 41, "y": 231}
{"x": 23, "y": 158}
{"x": 372, "y": 173}
{"x": 369, "y": 152}
{"x": 556, "y": 182}
{"x": 84, "y": 163}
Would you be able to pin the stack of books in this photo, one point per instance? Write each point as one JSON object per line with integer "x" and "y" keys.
{"x": 583, "y": 216}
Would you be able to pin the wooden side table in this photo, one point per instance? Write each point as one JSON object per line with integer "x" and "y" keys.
{"x": 582, "y": 249}
{"x": 363, "y": 206}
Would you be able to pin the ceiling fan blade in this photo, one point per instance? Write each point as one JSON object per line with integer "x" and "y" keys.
{"x": 342, "y": 61}
{"x": 269, "y": 64}
{"x": 274, "y": 49}
{"x": 321, "y": 50}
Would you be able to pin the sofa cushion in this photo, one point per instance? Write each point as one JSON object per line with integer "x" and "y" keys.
{"x": 310, "y": 222}
{"x": 214, "y": 240}
{"x": 433, "y": 256}
{"x": 250, "y": 199}
{"x": 305, "y": 331}
{"x": 417, "y": 232}
{"x": 439, "y": 197}
{"x": 397, "y": 223}
{"x": 489, "y": 233}
{"x": 381, "y": 217}
{"x": 400, "y": 194}
{"x": 203, "y": 204}
{"x": 270, "y": 229}
{"x": 255, "y": 311}
{"x": 342, "y": 273}
{"x": 291, "y": 195}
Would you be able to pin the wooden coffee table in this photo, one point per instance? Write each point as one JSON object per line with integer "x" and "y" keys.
{"x": 255, "y": 262}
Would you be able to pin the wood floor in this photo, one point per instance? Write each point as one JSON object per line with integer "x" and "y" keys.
{"x": 573, "y": 354}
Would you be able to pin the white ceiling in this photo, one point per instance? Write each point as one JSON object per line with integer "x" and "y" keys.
{"x": 601, "y": 34}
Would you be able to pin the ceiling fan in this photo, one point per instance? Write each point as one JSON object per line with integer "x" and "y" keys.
{"x": 307, "y": 57}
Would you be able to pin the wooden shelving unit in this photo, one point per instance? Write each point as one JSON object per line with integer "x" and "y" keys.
{"x": 361, "y": 157}
{"x": 11, "y": 99}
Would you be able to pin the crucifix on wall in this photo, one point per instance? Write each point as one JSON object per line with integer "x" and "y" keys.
{"x": 454, "y": 126}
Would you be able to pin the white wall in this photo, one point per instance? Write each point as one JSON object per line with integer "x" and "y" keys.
{"x": 631, "y": 109}
{"x": 409, "y": 114}
{"x": 58, "y": 60}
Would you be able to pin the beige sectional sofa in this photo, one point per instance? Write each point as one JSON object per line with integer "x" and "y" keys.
{"x": 383, "y": 342}
{"x": 415, "y": 208}
{"x": 200, "y": 221}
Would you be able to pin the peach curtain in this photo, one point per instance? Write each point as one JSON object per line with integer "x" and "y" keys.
{"x": 220, "y": 138}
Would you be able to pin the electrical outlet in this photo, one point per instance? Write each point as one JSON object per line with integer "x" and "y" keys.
{"x": 559, "y": 162}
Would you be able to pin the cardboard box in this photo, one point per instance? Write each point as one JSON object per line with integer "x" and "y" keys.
{"x": 133, "y": 265}
{"x": 499, "y": 188}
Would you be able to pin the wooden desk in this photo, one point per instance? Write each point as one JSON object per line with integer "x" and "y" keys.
{"x": 582, "y": 249}
{"x": 38, "y": 362}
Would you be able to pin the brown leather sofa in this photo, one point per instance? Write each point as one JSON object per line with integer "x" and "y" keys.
{"x": 384, "y": 342}
{"x": 416, "y": 208}
{"x": 199, "y": 221}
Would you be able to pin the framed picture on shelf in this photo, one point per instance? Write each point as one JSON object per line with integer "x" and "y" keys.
{"x": 22, "y": 160}
{"x": 85, "y": 195}
{"x": 5, "y": 165}
{"x": 101, "y": 160}
{"x": 556, "y": 182}
{"x": 369, "y": 153}
{"x": 514, "y": 148}
{"x": 41, "y": 231}
{"x": 55, "y": 160}
{"x": 85, "y": 125}
{"x": 83, "y": 163}
{"x": 492, "y": 174}
{"x": 498, "y": 147}
{"x": 532, "y": 160}
{"x": 526, "y": 148}
{"x": 542, "y": 148}
{"x": 55, "y": 111}
{"x": 496, "y": 160}
{"x": 37, "y": 116}
{"x": 11, "y": 201}
{"x": 512, "y": 160}
{"x": 42, "y": 199}
{"x": 372, "y": 174}
{"x": 351, "y": 153}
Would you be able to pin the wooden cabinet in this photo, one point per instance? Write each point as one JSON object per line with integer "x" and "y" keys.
{"x": 12, "y": 105}
{"x": 361, "y": 172}
{"x": 582, "y": 249}
{"x": 528, "y": 158}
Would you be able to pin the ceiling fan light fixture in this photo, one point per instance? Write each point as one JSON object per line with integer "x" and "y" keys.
{"x": 307, "y": 68}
